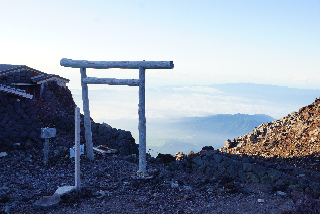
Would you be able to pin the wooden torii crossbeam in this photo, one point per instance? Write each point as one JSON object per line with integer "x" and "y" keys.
{"x": 141, "y": 65}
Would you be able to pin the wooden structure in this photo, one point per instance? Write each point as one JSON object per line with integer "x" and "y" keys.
{"x": 24, "y": 81}
{"x": 15, "y": 91}
{"x": 141, "y": 65}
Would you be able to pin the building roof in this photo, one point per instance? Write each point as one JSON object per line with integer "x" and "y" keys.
{"x": 47, "y": 77}
{"x": 39, "y": 77}
{"x": 5, "y": 67}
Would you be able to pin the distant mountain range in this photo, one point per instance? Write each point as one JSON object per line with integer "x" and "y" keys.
{"x": 171, "y": 111}
{"x": 224, "y": 124}
{"x": 193, "y": 133}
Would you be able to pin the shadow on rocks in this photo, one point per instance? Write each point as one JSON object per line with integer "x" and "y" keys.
{"x": 305, "y": 204}
{"x": 73, "y": 197}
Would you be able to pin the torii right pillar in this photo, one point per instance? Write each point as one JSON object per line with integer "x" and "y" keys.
{"x": 142, "y": 124}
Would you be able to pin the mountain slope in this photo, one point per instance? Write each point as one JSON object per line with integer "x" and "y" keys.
{"x": 296, "y": 135}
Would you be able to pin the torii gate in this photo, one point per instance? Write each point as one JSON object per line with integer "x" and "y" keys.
{"x": 141, "y": 65}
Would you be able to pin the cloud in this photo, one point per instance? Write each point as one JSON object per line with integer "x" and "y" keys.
{"x": 301, "y": 80}
{"x": 190, "y": 101}
{"x": 204, "y": 89}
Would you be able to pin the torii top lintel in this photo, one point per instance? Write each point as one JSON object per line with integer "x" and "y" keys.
{"x": 116, "y": 64}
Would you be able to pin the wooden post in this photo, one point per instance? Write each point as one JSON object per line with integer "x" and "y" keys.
{"x": 86, "y": 112}
{"x": 142, "y": 124}
{"x": 47, "y": 133}
{"x": 77, "y": 149}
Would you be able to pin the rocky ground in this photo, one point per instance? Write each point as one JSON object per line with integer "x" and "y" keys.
{"x": 295, "y": 135}
{"x": 108, "y": 187}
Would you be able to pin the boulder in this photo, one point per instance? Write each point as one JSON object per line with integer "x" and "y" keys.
{"x": 47, "y": 202}
{"x": 218, "y": 158}
{"x": 266, "y": 180}
{"x": 228, "y": 144}
{"x": 274, "y": 174}
{"x": 179, "y": 156}
{"x": 232, "y": 172}
{"x": 197, "y": 160}
{"x": 61, "y": 191}
{"x": 242, "y": 176}
{"x": 166, "y": 158}
{"x": 191, "y": 155}
{"x": 208, "y": 148}
{"x": 247, "y": 167}
{"x": 209, "y": 171}
{"x": 3, "y": 154}
{"x": 259, "y": 171}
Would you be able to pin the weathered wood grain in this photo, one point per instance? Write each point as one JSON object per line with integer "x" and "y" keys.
{"x": 86, "y": 112}
{"x": 111, "y": 81}
{"x": 142, "y": 123}
{"x": 116, "y": 64}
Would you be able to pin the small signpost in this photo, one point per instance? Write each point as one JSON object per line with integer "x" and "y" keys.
{"x": 73, "y": 151}
{"x": 47, "y": 133}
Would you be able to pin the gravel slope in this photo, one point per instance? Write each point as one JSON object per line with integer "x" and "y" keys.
{"x": 109, "y": 188}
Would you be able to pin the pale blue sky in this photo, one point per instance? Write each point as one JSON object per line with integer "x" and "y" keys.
{"x": 210, "y": 42}
{"x": 270, "y": 42}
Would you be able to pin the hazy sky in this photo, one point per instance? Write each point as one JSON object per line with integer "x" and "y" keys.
{"x": 210, "y": 42}
{"x": 267, "y": 41}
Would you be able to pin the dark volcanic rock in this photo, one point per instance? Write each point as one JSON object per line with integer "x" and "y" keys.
{"x": 22, "y": 120}
{"x": 191, "y": 155}
{"x": 208, "y": 148}
{"x": 166, "y": 158}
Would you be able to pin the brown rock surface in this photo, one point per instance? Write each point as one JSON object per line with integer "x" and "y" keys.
{"x": 296, "y": 135}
